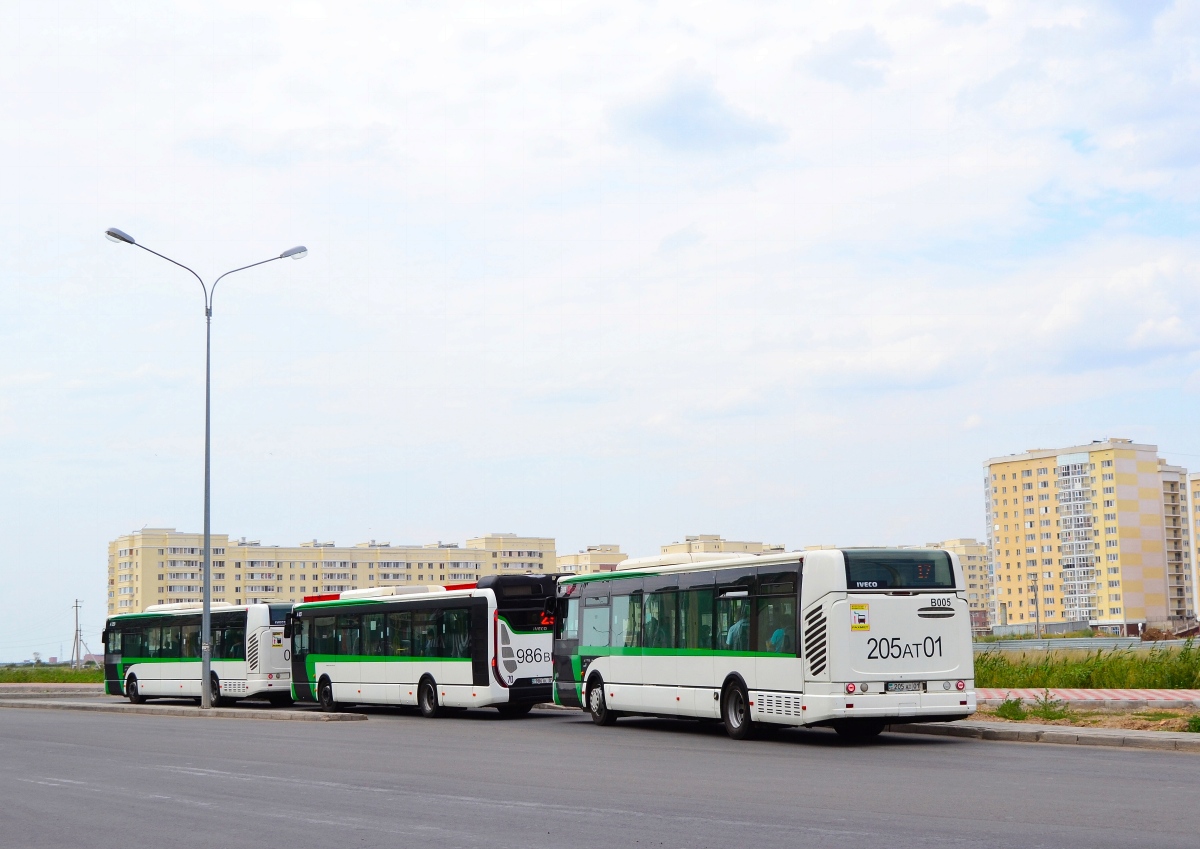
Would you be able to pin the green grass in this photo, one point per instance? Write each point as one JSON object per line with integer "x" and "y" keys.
{"x": 1194, "y": 724}
{"x": 1011, "y": 708}
{"x": 49, "y": 675}
{"x": 1156, "y": 715}
{"x": 1159, "y": 668}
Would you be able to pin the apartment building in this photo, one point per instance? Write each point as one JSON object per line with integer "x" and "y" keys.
{"x": 977, "y": 569}
{"x": 162, "y": 565}
{"x": 713, "y": 543}
{"x": 1083, "y": 535}
{"x": 597, "y": 558}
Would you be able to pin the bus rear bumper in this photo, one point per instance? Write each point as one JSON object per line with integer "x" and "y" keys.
{"x": 826, "y": 709}
{"x": 907, "y": 707}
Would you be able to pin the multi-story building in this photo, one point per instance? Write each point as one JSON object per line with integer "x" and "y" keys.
{"x": 162, "y": 565}
{"x": 977, "y": 569}
{"x": 712, "y": 543}
{"x": 597, "y": 558}
{"x": 1083, "y": 535}
{"x": 1181, "y": 601}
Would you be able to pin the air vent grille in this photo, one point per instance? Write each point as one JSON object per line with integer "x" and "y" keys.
{"x": 815, "y": 641}
{"x": 777, "y": 704}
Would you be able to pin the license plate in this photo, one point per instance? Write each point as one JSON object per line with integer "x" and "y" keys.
{"x": 543, "y": 680}
{"x": 905, "y": 686}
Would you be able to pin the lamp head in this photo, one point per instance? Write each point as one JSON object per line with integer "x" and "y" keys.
{"x": 299, "y": 252}
{"x": 115, "y": 235}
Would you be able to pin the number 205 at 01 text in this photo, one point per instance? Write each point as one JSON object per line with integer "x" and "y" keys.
{"x": 884, "y": 648}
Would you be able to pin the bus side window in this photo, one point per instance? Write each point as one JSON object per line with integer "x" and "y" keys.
{"x": 349, "y": 634}
{"x": 456, "y": 633}
{"x": 424, "y": 633}
{"x": 776, "y": 631}
{"x": 374, "y": 635}
{"x": 626, "y": 620}
{"x": 400, "y": 633}
{"x": 301, "y": 629}
{"x": 733, "y": 623}
{"x": 595, "y": 622}
{"x": 324, "y": 639}
{"x": 154, "y": 642}
{"x": 568, "y": 619}
{"x": 659, "y": 632}
{"x": 191, "y": 640}
{"x": 696, "y": 619}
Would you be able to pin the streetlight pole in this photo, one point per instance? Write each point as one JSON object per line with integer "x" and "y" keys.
{"x": 113, "y": 234}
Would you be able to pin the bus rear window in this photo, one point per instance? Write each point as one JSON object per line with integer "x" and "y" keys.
{"x": 869, "y": 569}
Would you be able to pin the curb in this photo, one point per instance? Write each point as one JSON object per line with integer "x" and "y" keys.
{"x": 1108, "y": 703}
{"x": 190, "y": 712}
{"x": 1061, "y": 735}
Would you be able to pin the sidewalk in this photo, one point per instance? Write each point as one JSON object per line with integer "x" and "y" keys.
{"x": 25, "y": 691}
{"x": 180, "y": 708}
{"x": 1095, "y": 698}
{"x": 1027, "y": 732}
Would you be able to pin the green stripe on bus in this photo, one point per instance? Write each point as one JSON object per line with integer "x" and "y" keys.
{"x": 311, "y": 661}
{"x": 635, "y": 651}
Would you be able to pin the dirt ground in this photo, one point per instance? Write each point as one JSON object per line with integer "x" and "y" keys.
{"x": 1140, "y": 719}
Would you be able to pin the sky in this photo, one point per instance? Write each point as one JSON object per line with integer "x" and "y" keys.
{"x": 610, "y": 273}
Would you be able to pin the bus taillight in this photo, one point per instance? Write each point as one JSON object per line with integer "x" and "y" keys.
{"x": 961, "y": 685}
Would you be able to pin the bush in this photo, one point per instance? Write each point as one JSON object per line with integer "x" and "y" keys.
{"x": 50, "y": 675}
{"x": 1011, "y": 708}
{"x": 1048, "y": 707}
{"x": 1194, "y": 724}
{"x": 1158, "y": 668}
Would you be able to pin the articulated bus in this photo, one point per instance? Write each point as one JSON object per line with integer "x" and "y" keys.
{"x": 854, "y": 639}
{"x": 157, "y": 653}
{"x": 436, "y": 648}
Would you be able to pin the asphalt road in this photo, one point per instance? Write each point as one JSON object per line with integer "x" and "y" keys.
{"x": 474, "y": 780}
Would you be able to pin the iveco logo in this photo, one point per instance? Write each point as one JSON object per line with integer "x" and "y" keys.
{"x": 867, "y": 583}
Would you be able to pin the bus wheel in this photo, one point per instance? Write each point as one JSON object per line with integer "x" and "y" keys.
{"x": 859, "y": 730}
{"x": 597, "y": 706}
{"x": 280, "y": 700}
{"x": 325, "y": 696}
{"x": 214, "y": 691}
{"x": 131, "y": 690}
{"x": 512, "y": 711}
{"x": 427, "y": 699}
{"x": 735, "y": 712}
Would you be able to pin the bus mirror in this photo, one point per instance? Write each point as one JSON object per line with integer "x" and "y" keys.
{"x": 287, "y": 627}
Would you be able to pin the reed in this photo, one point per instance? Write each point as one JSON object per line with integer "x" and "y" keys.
{"x": 1159, "y": 668}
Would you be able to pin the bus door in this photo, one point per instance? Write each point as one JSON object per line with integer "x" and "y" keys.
{"x": 566, "y": 648}
{"x": 113, "y": 685}
{"x": 299, "y": 630}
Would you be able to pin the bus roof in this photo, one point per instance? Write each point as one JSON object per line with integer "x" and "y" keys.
{"x": 733, "y": 561}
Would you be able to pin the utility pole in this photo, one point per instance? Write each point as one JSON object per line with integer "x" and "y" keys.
{"x": 75, "y": 658}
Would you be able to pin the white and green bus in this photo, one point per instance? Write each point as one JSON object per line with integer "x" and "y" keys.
{"x": 483, "y": 645}
{"x": 854, "y": 639}
{"x": 156, "y": 653}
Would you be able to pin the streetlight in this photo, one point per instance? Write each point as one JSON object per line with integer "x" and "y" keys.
{"x": 115, "y": 235}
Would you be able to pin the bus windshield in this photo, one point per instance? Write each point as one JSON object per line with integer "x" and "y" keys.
{"x": 868, "y": 569}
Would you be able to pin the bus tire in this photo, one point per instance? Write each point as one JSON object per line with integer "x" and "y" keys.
{"x": 597, "y": 705}
{"x": 513, "y": 711}
{"x": 280, "y": 700}
{"x": 427, "y": 699}
{"x": 859, "y": 730}
{"x": 131, "y": 691}
{"x": 325, "y": 696}
{"x": 214, "y": 692}
{"x": 735, "y": 711}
